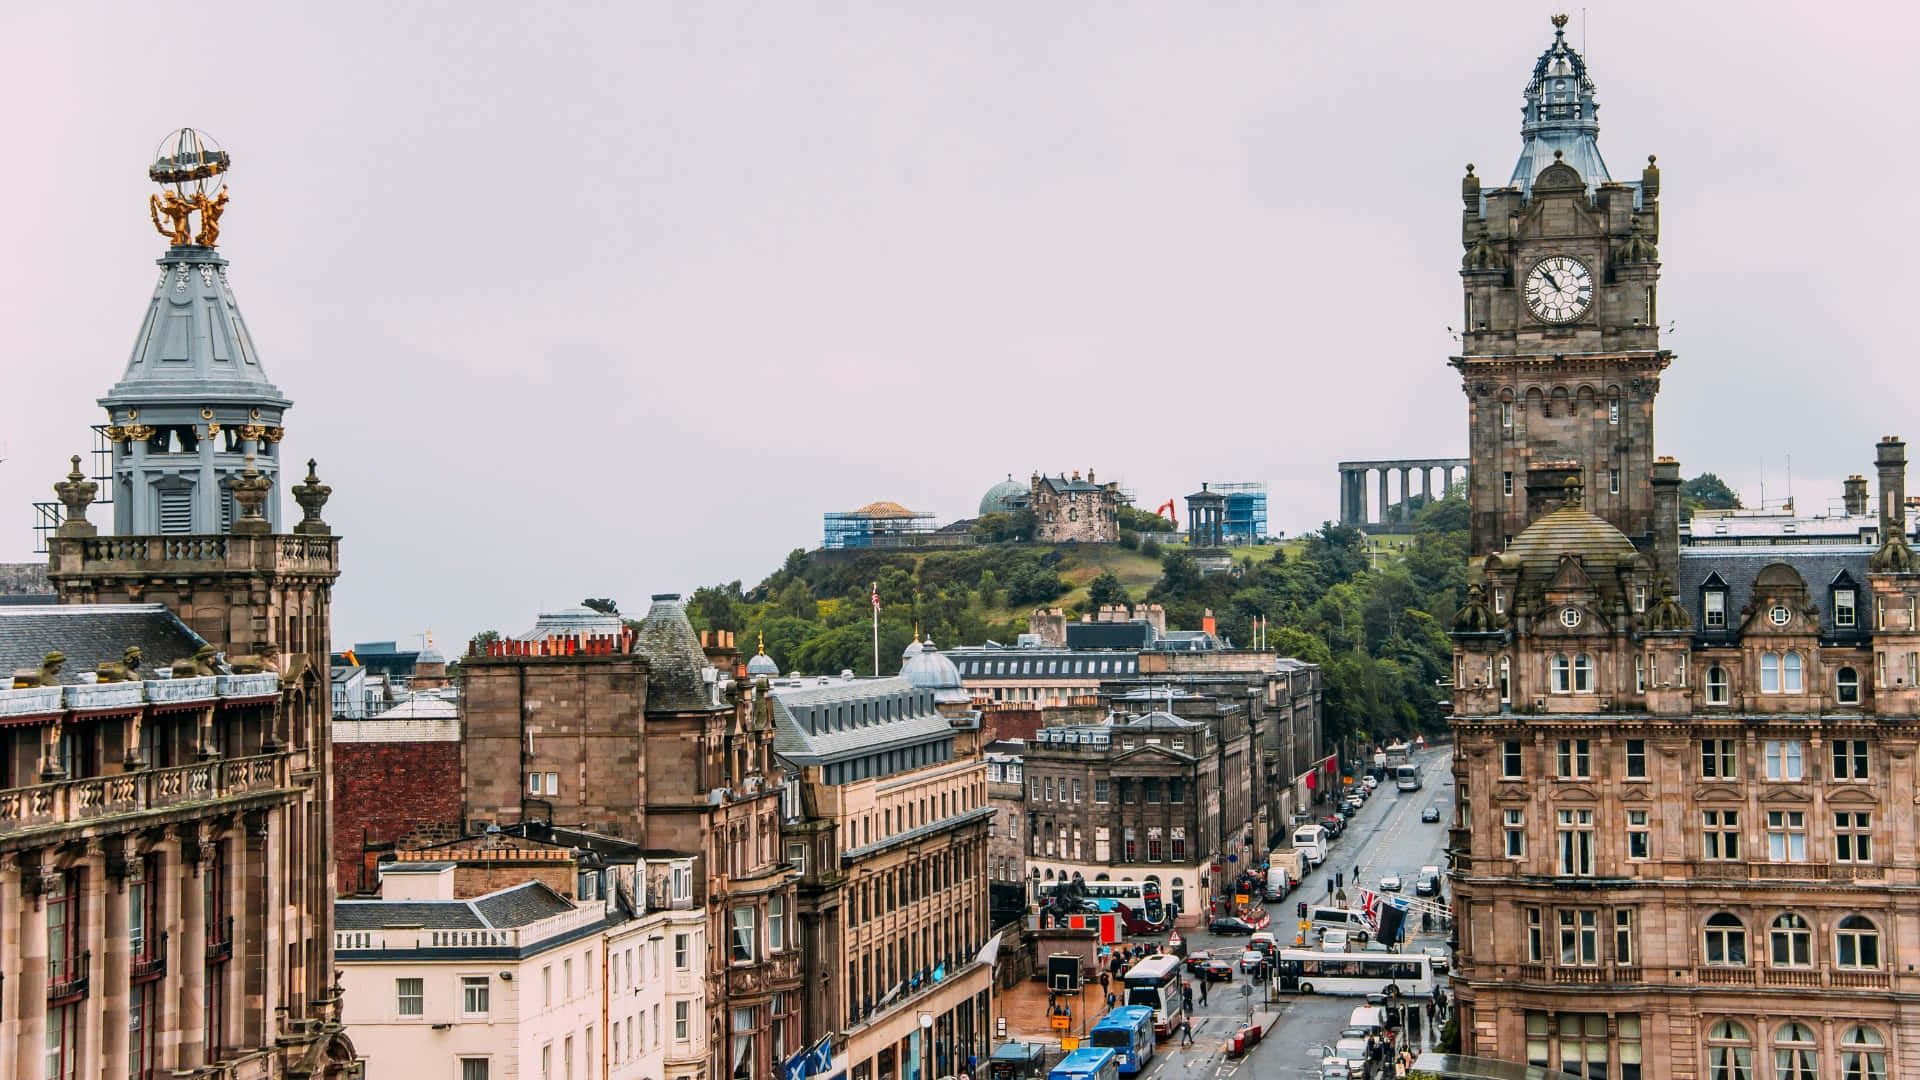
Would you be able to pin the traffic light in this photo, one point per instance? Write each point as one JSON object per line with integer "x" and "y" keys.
{"x": 1300, "y": 910}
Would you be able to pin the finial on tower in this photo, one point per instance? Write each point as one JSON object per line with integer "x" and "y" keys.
{"x": 76, "y": 494}
{"x": 312, "y": 496}
{"x": 188, "y": 166}
{"x": 1574, "y": 490}
{"x": 1559, "y": 22}
{"x": 250, "y": 490}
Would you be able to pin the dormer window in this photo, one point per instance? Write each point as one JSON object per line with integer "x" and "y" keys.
{"x": 1714, "y": 606}
{"x": 1639, "y": 596}
{"x": 1845, "y": 602}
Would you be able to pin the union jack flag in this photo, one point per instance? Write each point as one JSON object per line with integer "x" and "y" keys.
{"x": 876, "y": 597}
{"x": 1370, "y": 908}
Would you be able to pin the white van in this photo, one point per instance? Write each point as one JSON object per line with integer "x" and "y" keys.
{"x": 1333, "y": 918}
{"x": 1279, "y": 883}
{"x": 1371, "y": 1017}
{"x": 1311, "y": 842}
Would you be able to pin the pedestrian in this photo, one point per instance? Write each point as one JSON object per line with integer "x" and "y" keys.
{"x": 1186, "y": 1032}
{"x": 1356, "y": 873}
{"x": 1203, "y": 990}
{"x": 1186, "y": 997}
{"x": 1110, "y": 1001}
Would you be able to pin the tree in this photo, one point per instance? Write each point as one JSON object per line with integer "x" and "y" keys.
{"x": 485, "y": 638}
{"x": 603, "y": 605}
{"x": 1707, "y": 492}
{"x": 1106, "y": 589}
{"x": 1141, "y": 520}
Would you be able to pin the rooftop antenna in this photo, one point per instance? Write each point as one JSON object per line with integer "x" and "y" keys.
{"x": 1789, "y": 479}
{"x": 1583, "y": 32}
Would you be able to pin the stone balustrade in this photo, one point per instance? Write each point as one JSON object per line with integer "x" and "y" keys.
{"x": 72, "y": 801}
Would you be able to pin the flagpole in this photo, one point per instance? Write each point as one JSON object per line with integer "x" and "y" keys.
{"x": 876, "y": 629}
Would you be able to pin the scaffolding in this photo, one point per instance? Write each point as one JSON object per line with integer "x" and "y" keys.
{"x": 880, "y": 524}
{"x": 1246, "y": 521}
{"x": 48, "y": 515}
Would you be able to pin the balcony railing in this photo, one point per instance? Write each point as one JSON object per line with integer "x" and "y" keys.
{"x": 69, "y": 979}
{"x": 70, "y": 801}
{"x": 1858, "y": 980}
{"x": 220, "y": 939}
{"x": 1725, "y": 976}
{"x": 1804, "y": 977}
{"x": 1785, "y": 871}
{"x": 151, "y": 962}
{"x": 1579, "y": 976}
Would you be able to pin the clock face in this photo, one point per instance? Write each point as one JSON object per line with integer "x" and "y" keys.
{"x": 1559, "y": 289}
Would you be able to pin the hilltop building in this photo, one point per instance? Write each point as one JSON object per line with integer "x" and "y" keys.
{"x": 1069, "y": 508}
{"x": 1684, "y": 840}
{"x": 165, "y": 850}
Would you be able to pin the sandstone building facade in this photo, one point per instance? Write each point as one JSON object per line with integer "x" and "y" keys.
{"x": 1685, "y": 843}
{"x": 1069, "y": 508}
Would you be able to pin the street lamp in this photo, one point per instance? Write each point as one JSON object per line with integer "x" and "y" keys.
{"x": 926, "y": 1044}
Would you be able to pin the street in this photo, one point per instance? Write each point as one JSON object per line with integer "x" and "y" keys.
{"x": 1385, "y": 837}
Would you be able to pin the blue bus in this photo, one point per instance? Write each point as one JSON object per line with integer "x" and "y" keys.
{"x": 1087, "y": 1064}
{"x": 1128, "y": 1032}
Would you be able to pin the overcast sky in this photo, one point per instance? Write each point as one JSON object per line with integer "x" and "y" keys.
{"x": 612, "y": 300}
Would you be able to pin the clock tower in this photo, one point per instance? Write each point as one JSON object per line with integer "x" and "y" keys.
{"x": 1560, "y": 347}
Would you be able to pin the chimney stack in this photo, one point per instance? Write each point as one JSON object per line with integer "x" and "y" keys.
{"x": 1855, "y": 496}
{"x": 1666, "y": 517}
{"x": 1891, "y": 460}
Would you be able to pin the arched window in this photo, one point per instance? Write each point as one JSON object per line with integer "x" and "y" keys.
{"x": 1791, "y": 941}
{"x": 1583, "y": 674}
{"x": 1770, "y": 673}
{"x": 1795, "y": 1053}
{"x": 1863, "y": 1054}
{"x": 1846, "y": 686}
{"x": 1729, "y": 1052}
{"x": 1856, "y": 943}
{"x": 1790, "y": 674}
{"x": 1726, "y": 940}
{"x": 1506, "y": 683}
{"x": 1717, "y": 685}
{"x": 1562, "y": 674}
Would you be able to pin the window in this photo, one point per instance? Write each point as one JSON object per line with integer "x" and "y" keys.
{"x": 1049, "y": 783}
{"x": 1583, "y": 1038}
{"x": 1853, "y": 836}
{"x": 1576, "y": 843}
{"x": 473, "y": 1069}
{"x": 1726, "y": 940}
{"x": 1791, "y": 942}
{"x": 1787, "y": 835}
{"x": 680, "y": 950}
{"x": 1846, "y": 686}
{"x": 1629, "y": 1047}
{"x": 1769, "y": 673}
{"x": 1863, "y": 1054}
{"x": 1636, "y": 759}
{"x": 1850, "y": 759}
{"x": 1623, "y": 937}
{"x": 745, "y": 944}
{"x": 1076, "y": 789}
{"x": 1176, "y": 791}
{"x": 1153, "y": 847}
{"x": 410, "y": 997}
{"x": 1639, "y": 596}
{"x": 1639, "y": 674}
{"x": 1637, "y": 834}
{"x": 1613, "y": 481}
{"x": 1583, "y": 674}
{"x": 1792, "y": 676}
{"x": 1510, "y": 760}
{"x": 1100, "y": 791}
{"x": 1794, "y": 1052}
{"x": 1506, "y": 670}
{"x": 1574, "y": 760}
{"x": 742, "y": 1063}
{"x": 1716, "y": 760}
{"x": 1721, "y": 836}
{"x": 1715, "y": 608}
{"x": 1533, "y": 935}
{"x": 1579, "y": 937}
{"x": 1152, "y": 787}
{"x": 1856, "y": 944}
{"x": 566, "y": 1057}
{"x": 1562, "y": 674}
{"x": 1516, "y": 831}
{"x": 1179, "y": 847}
{"x": 682, "y": 1020}
{"x": 1538, "y": 1048}
{"x": 1506, "y": 483}
{"x": 777, "y": 923}
{"x": 1613, "y": 414}
{"x": 1843, "y": 607}
{"x": 1506, "y": 414}
{"x": 1729, "y": 1052}
{"x": 1784, "y": 760}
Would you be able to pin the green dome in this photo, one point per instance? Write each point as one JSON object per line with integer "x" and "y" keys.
{"x": 1004, "y": 497}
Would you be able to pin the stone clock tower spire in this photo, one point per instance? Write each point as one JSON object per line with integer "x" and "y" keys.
{"x": 1560, "y": 348}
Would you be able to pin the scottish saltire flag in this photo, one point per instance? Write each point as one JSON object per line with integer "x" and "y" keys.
{"x": 813, "y": 1061}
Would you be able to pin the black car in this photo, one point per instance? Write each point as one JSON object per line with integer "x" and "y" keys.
{"x": 1202, "y": 964}
{"x": 1227, "y": 924}
{"x": 1430, "y": 814}
{"x": 1426, "y": 885}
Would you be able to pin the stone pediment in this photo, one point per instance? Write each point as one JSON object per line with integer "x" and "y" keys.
{"x": 1570, "y": 577}
{"x": 1574, "y": 793}
{"x": 1155, "y": 752}
{"x": 1781, "y": 793}
{"x": 1719, "y": 793}
{"x": 1512, "y": 793}
{"x": 1850, "y": 795}
{"x": 1636, "y": 793}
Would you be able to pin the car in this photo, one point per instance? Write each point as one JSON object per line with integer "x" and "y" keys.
{"x": 1369, "y": 782}
{"x": 1335, "y": 824}
{"x": 1251, "y": 958}
{"x": 1334, "y": 941}
{"x": 1439, "y": 958}
{"x": 1347, "y": 809}
{"x": 1227, "y": 925}
{"x": 1426, "y": 885}
{"x": 1390, "y": 882}
{"x": 1430, "y": 814}
{"x": 1203, "y": 964}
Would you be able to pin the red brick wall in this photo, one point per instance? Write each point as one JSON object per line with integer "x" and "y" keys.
{"x": 381, "y": 792}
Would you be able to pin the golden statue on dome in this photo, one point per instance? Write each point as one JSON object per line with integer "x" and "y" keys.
{"x": 189, "y": 167}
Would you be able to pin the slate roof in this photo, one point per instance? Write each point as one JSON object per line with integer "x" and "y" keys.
{"x": 915, "y": 719}
{"x": 1817, "y": 565}
{"x": 193, "y": 344}
{"x": 503, "y": 909}
{"x": 91, "y": 633}
{"x": 1062, "y": 485}
{"x": 674, "y": 658}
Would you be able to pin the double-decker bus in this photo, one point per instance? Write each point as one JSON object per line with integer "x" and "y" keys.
{"x": 1139, "y": 899}
{"x": 1314, "y": 972}
{"x": 1155, "y": 983}
{"x": 1128, "y": 1032}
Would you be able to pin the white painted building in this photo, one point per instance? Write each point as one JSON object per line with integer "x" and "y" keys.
{"x": 523, "y": 982}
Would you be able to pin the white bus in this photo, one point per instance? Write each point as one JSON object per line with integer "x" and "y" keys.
{"x": 1406, "y": 777}
{"x": 1155, "y": 983}
{"x": 1314, "y": 972}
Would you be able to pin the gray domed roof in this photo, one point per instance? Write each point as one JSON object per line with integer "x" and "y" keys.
{"x": 1004, "y": 497}
{"x": 931, "y": 670}
{"x": 762, "y": 664}
{"x": 912, "y": 650}
{"x": 675, "y": 660}
{"x": 571, "y": 622}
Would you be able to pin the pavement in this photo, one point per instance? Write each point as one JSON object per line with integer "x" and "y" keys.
{"x": 1385, "y": 837}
